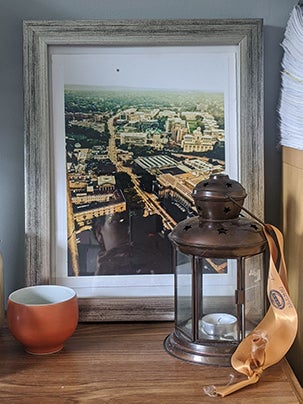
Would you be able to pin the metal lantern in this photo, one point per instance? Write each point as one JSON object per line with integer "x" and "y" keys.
{"x": 219, "y": 281}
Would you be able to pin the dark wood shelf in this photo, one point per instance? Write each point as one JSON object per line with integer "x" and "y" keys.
{"x": 125, "y": 363}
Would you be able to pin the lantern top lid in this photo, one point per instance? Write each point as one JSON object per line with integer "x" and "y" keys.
{"x": 219, "y": 231}
{"x": 219, "y": 186}
{"x": 214, "y": 198}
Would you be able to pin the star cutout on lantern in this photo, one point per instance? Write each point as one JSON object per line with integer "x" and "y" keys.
{"x": 228, "y": 185}
{"x": 226, "y": 209}
{"x": 187, "y": 227}
{"x": 222, "y": 230}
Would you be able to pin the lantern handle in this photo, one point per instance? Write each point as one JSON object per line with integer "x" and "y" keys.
{"x": 246, "y": 210}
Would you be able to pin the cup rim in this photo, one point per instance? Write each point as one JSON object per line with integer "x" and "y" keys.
{"x": 13, "y": 296}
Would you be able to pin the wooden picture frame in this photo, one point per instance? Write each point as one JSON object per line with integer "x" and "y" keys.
{"x": 39, "y": 36}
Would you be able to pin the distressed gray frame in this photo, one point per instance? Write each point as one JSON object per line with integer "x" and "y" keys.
{"x": 247, "y": 34}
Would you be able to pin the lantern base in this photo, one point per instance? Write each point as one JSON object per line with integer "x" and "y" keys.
{"x": 216, "y": 353}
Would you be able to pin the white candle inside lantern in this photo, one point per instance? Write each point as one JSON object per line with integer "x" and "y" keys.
{"x": 219, "y": 324}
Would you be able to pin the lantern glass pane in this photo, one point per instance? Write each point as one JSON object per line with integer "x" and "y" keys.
{"x": 219, "y": 313}
{"x": 184, "y": 293}
{"x": 254, "y": 292}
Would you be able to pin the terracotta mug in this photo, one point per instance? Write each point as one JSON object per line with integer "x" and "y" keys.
{"x": 42, "y": 317}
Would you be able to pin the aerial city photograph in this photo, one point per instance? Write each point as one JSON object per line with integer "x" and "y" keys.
{"x": 140, "y": 127}
{"x": 133, "y": 157}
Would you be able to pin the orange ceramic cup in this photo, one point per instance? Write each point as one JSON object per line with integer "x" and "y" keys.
{"x": 42, "y": 317}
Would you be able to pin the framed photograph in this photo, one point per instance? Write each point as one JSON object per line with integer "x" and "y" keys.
{"x": 122, "y": 120}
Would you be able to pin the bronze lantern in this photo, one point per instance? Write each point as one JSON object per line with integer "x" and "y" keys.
{"x": 219, "y": 280}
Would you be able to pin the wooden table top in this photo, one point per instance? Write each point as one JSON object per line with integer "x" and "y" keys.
{"x": 125, "y": 363}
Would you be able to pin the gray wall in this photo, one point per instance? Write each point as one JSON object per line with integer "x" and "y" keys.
{"x": 274, "y": 12}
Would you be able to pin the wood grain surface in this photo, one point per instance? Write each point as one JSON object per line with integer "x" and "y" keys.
{"x": 125, "y": 363}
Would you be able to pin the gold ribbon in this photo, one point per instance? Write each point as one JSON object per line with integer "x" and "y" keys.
{"x": 268, "y": 343}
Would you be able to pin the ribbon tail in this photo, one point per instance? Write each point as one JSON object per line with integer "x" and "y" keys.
{"x": 229, "y": 389}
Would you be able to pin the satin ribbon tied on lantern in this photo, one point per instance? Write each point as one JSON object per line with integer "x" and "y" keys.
{"x": 268, "y": 343}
